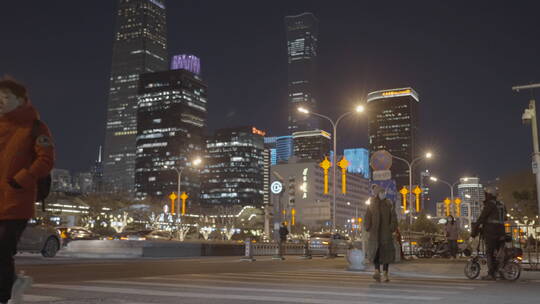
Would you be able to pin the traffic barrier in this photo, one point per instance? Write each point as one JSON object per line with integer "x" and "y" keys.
{"x": 248, "y": 257}
{"x": 355, "y": 257}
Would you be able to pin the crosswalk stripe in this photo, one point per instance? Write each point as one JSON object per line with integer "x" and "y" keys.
{"x": 147, "y": 292}
{"x": 36, "y": 298}
{"x": 282, "y": 291}
{"x": 341, "y": 280}
{"x": 453, "y": 281}
{"x": 189, "y": 280}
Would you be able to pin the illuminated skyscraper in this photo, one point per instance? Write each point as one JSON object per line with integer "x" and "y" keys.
{"x": 393, "y": 126}
{"x": 471, "y": 193}
{"x": 171, "y": 126}
{"x": 140, "y": 46}
{"x": 302, "y": 39}
{"x": 312, "y": 145}
{"x": 236, "y": 168}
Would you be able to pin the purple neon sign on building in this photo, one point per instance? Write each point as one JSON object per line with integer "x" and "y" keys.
{"x": 186, "y": 62}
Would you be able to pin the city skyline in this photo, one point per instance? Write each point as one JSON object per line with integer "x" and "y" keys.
{"x": 463, "y": 101}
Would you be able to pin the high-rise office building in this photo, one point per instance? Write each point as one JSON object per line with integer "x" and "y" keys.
{"x": 235, "y": 166}
{"x": 270, "y": 145}
{"x": 472, "y": 194}
{"x": 393, "y": 126}
{"x": 281, "y": 148}
{"x": 302, "y": 38}
{"x": 140, "y": 46}
{"x": 171, "y": 126}
{"x": 61, "y": 180}
{"x": 311, "y": 145}
{"x": 82, "y": 182}
{"x": 425, "y": 197}
{"x": 97, "y": 173}
{"x": 358, "y": 161}
{"x": 284, "y": 148}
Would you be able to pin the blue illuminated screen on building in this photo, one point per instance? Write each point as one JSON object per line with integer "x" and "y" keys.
{"x": 359, "y": 161}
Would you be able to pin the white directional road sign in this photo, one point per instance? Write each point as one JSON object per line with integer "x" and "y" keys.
{"x": 382, "y": 175}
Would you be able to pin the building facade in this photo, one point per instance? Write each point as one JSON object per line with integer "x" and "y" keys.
{"x": 358, "y": 161}
{"x": 302, "y": 44}
{"x": 140, "y": 46}
{"x": 472, "y": 194}
{"x": 311, "y": 145}
{"x": 234, "y": 168}
{"x": 97, "y": 173}
{"x": 393, "y": 126}
{"x": 425, "y": 196}
{"x": 303, "y": 190}
{"x": 172, "y": 115}
{"x": 281, "y": 148}
{"x": 61, "y": 180}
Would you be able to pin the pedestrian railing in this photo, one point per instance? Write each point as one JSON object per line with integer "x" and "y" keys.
{"x": 271, "y": 249}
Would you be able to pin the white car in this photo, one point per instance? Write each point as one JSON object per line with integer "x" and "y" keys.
{"x": 40, "y": 238}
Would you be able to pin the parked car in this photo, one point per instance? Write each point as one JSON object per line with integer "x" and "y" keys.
{"x": 143, "y": 235}
{"x": 40, "y": 238}
{"x": 320, "y": 243}
{"x": 74, "y": 233}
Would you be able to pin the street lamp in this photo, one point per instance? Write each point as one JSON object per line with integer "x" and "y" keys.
{"x": 196, "y": 162}
{"x": 428, "y": 155}
{"x": 452, "y": 186}
{"x": 335, "y": 123}
{"x": 529, "y": 117}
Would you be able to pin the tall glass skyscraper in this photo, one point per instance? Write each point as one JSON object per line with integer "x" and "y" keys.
{"x": 393, "y": 126}
{"x": 171, "y": 125}
{"x": 302, "y": 39}
{"x": 140, "y": 46}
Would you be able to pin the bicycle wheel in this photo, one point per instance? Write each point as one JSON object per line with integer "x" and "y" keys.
{"x": 511, "y": 271}
{"x": 472, "y": 270}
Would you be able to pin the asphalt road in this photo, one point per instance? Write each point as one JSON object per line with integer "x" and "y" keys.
{"x": 228, "y": 280}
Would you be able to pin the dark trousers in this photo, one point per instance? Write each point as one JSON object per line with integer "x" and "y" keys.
{"x": 492, "y": 248}
{"x": 377, "y": 263}
{"x": 452, "y": 246}
{"x": 10, "y": 233}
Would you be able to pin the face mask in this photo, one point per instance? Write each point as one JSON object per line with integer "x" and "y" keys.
{"x": 8, "y": 102}
{"x": 382, "y": 195}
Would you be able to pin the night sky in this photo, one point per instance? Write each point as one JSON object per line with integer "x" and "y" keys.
{"x": 462, "y": 57}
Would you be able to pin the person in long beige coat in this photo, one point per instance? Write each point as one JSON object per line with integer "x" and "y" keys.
{"x": 380, "y": 223}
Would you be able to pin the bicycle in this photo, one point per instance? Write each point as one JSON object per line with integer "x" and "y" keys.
{"x": 508, "y": 260}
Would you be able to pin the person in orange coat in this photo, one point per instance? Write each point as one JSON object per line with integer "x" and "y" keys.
{"x": 26, "y": 155}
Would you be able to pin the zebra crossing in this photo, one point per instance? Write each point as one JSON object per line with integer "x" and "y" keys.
{"x": 313, "y": 286}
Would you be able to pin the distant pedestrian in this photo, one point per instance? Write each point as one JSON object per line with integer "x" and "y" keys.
{"x": 452, "y": 234}
{"x": 283, "y": 232}
{"x": 26, "y": 155}
{"x": 380, "y": 223}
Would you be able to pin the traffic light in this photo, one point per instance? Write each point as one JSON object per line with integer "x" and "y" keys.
{"x": 292, "y": 190}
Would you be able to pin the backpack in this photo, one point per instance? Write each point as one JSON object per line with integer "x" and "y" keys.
{"x": 44, "y": 183}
